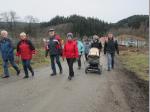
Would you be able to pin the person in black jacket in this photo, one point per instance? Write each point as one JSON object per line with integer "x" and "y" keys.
{"x": 96, "y": 43}
{"x": 53, "y": 51}
{"x": 110, "y": 47}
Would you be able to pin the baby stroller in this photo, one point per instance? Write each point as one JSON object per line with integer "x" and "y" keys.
{"x": 94, "y": 61}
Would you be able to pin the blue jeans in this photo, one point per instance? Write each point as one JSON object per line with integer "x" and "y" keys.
{"x": 110, "y": 60}
{"x": 5, "y": 66}
{"x": 53, "y": 58}
{"x": 27, "y": 65}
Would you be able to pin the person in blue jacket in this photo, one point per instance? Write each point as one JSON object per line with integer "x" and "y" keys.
{"x": 87, "y": 45}
{"x": 7, "y": 53}
{"x": 80, "y": 51}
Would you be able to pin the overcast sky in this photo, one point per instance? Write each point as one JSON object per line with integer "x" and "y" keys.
{"x": 107, "y": 10}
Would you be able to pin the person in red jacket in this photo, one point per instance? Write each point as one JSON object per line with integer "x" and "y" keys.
{"x": 25, "y": 49}
{"x": 70, "y": 52}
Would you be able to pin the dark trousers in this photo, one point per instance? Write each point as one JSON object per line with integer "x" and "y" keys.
{"x": 5, "y": 66}
{"x": 27, "y": 66}
{"x": 79, "y": 61}
{"x": 70, "y": 62}
{"x": 86, "y": 56}
{"x": 53, "y": 58}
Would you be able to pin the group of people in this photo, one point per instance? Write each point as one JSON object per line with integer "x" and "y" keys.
{"x": 25, "y": 50}
{"x": 73, "y": 49}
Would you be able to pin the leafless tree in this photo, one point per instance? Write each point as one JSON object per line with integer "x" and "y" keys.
{"x": 31, "y": 28}
{"x": 31, "y": 19}
{"x": 10, "y": 18}
{"x": 4, "y": 17}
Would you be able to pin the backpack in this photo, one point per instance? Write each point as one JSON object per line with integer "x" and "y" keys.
{"x": 59, "y": 47}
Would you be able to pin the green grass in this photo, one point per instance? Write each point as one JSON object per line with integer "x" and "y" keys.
{"x": 136, "y": 62}
{"x": 39, "y": 59}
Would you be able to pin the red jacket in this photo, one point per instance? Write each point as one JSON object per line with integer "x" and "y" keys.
{"x": 70, "y": 49}
{"x": 25, "y": 49}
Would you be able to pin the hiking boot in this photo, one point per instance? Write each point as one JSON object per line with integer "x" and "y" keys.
{"x": 61, "y": 71}
{"x": 79, "y": 67}
{"x": 108, "y": 69}
{"x": 72, "y": 74}
{"x": 32, "y": 74}
{"x": 25, "y": 77}
{"x": 18, "y": 72}
{"x": 53, "y": 74}
{"x": 112, "y": 67}
{"x": 69, "y": 77}
{"x": 5, "y": 76}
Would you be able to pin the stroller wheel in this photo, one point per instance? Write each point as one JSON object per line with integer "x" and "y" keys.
{"x": 86, "y": 70}
{"x": 99, "y": 71}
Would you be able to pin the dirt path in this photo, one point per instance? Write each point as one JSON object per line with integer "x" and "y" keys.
{"x": 85, "y": 93}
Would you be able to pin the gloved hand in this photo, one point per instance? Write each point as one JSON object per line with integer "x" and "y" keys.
{"x": 118, "y": 52}
{"x": 34, "y": 52}
{"x": 18, "y": 54}
{"x": 17, "y": 61}
{"x": 63, "y": 58}
{"x": 46, "y": 53}
{"x": 75, "y": 59}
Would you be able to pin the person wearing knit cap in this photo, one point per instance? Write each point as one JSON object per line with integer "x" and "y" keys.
{"x": 96, "y": 43}
{"x": 70, "y": 52}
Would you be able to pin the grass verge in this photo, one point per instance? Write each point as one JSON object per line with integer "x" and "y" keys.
{"x": 136, "y": 62}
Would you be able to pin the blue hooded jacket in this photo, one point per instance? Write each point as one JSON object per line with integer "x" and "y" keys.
{"x": 6, "y": 49}
{"x": 87, "y": 46}
{"x": 80, "y": 47}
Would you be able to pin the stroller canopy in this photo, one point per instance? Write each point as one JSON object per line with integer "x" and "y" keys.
{"x": 94, "y": 52}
